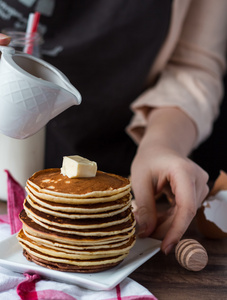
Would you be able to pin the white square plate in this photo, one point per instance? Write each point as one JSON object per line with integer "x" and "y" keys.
{"x": 11, "y": 258}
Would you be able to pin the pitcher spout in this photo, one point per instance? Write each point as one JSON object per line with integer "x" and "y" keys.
{"x": 67, "y": 96}
{"x": 64, "y": 99}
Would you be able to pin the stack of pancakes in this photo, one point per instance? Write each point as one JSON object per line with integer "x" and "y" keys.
{"x": 77, "y": 224}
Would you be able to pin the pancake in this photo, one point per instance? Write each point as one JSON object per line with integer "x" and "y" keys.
{"x": 77, "y": 224}
{"x": 111, "y": 230}
{"x": 76, "y": 262}
{"x": 51, "y": 181}
{"x": 78, "y": 215}
{"x": 66, "y": 267}
{"x": 81, "y": 254}
{"x": 88, "y": 208}
{"x": 37, "y": 230}
{"x": 73, "y": 200}
{"x": 58, "y": 244}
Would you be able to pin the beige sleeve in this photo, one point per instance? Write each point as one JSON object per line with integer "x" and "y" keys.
{"x": 192, "y": 78}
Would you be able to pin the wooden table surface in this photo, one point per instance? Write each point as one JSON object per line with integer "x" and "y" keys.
{"x": 166, "y": 279}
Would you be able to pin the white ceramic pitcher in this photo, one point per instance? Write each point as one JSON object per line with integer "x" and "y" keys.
{"x": 32, "y": 92}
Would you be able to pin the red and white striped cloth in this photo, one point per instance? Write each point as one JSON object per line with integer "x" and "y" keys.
{"x": 33, "y": 287}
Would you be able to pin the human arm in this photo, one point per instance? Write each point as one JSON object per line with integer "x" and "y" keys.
{"x": 190, "y": 87}
{"x": 161, "y": 164}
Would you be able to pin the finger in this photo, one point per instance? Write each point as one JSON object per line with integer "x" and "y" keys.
{"x": 145, "y": 212}
{"x": 186, "y": 207}
{"x": 164, "y": 222}
{"x": 202, "y": 192}
{"x": 4, "y": 39}
{"x": 174, "y": 221}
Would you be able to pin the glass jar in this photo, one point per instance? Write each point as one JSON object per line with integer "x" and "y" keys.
{"x": 25, "y": 42}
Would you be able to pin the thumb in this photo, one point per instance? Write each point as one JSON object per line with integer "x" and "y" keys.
{"x": 145, "y": 208}
{"x": 4, "y": 39}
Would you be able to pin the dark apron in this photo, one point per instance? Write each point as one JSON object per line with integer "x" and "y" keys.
{"x": 109, "y": 47}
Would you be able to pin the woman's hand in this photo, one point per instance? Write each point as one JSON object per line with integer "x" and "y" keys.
{"x": 4, "y": 39}
{"x": 161, "y": 165}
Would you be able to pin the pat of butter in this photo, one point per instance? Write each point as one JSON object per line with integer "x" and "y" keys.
{"x": 77, "y": 166}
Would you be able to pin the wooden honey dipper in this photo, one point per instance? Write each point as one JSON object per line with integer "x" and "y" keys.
{"x": 191, "y": 255}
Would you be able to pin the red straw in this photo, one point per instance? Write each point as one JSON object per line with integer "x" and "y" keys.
{"x": 32, "y": 30}
{"x": 35, "y": 22}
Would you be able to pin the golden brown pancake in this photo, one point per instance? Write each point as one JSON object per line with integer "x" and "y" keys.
{"x": 73, "y": 199}
{"x": 59, "y": 244}
{"x": 89, "y": 208}
{"x": 110, "y": 230}
{"x": 67, "y": 267}
{"x": 51, "y": 181}
{"x": 77, "y": 223}
{"x": 35, "y": 229}
{"x": 79, "y": 215}
{"x": 81, "y": 254}
{"x": 76, "y": 262}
